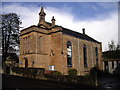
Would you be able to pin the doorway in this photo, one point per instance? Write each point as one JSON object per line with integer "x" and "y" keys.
{"x": 26, "y": 62}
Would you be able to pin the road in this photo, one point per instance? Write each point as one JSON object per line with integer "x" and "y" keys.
{"x": 20, "y": 83}
{"x": 109, "y": 82}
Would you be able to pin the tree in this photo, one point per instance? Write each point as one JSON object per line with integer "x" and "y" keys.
{"x": 118, "y": 47}
{"x": 112, "y": 46}
{"x": 10, "y": 34}
{"x": 113, "y": 52}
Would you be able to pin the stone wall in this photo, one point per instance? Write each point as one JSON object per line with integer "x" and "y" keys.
{"x": 39, "y": 73}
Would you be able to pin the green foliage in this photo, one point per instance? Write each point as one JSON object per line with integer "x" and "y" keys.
{"x": 13, "y": 56}
{"x": 72, "y": 72}
{"x": 57, "y": 73}
{"x": 112, "y": 46}
{"x": 96, "y": 71}
{"x": 93, "y": 71}
{"x": 113, "y": 51}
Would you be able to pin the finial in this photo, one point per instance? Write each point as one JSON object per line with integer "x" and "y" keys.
{"x": 53, "y": 19}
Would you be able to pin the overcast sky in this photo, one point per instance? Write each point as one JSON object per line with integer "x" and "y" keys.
{"x": 99, "y": 19}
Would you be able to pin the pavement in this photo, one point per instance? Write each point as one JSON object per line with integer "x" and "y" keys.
{"x": 109, "y": 82}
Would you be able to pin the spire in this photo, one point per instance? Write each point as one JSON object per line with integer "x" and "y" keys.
{"x": 53, "y": 21}
{"x": 42, "y": 15}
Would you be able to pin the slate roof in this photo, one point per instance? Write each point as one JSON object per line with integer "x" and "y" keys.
{"x": 78, "y": 35}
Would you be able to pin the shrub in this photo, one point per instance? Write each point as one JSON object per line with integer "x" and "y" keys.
{"x": 57, "y": 73}
{"x": 93, "y": 71}
{"x": 72, "y": 72}
{"x": 96, "y": 71}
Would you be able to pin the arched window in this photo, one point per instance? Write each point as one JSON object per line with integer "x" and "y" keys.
{"x": 69, "y": 54}
{"x": 40, "y": 43}
{"x": 96, "y": 54}
{"x": 85, "y": 55}
{"x": 23, "y": 45}
{"x": 28, "y": 44}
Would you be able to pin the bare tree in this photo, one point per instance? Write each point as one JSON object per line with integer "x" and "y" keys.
{"x": 10, "y": 33}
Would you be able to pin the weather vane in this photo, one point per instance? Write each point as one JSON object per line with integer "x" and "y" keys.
{"x": 41, "y": 5}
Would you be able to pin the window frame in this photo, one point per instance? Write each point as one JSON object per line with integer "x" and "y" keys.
{"x": 69, "y": 54}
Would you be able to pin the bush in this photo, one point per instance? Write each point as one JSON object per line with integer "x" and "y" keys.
{"x": 93, "y": 71}
{"x": 57, "y": 73}
{"x": 72, "y": 72}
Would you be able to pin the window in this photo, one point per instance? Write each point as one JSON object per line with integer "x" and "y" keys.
{"x": 28, "y": 44}
{"x": 69, "y": 54}
{"x": 96, "y": 54}
{"x": 26, "y": 47}
{"x": 40, "y": 44}
{"x": 23, "y": 45}
{"x": 85, "y": 55}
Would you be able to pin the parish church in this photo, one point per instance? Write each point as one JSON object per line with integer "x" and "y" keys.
{"x": 56, "y": 48}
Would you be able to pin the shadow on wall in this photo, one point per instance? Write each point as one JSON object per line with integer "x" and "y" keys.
{"x": 117, "y": 70}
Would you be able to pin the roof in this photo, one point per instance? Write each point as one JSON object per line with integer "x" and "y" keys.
{"x": 111, "y": 54}
{"x": 78, "y": 35}
{"x": 71, "y": 32}
{"x": 110, "y": 59}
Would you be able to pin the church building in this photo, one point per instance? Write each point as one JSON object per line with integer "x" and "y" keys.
{"x": 56, "y": 48}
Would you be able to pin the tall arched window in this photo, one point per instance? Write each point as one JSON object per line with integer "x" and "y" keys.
{"x": 85, "y": 55}
{"x": 69, "y": 54}
{"x": 23, "y": 45}
{"x": 28, "y": 44}
{"x": 96, "y": 54}
{"x": 40, "y": 43}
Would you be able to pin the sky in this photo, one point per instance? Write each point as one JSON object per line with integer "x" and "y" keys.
{"x": 100, "y": 19}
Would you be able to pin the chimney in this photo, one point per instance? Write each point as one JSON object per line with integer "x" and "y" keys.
{"x": 53, "y": 21}
{"x": 83, "y": 30}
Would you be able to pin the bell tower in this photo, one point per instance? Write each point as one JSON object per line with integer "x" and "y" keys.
{"x": 41, "y": 16}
